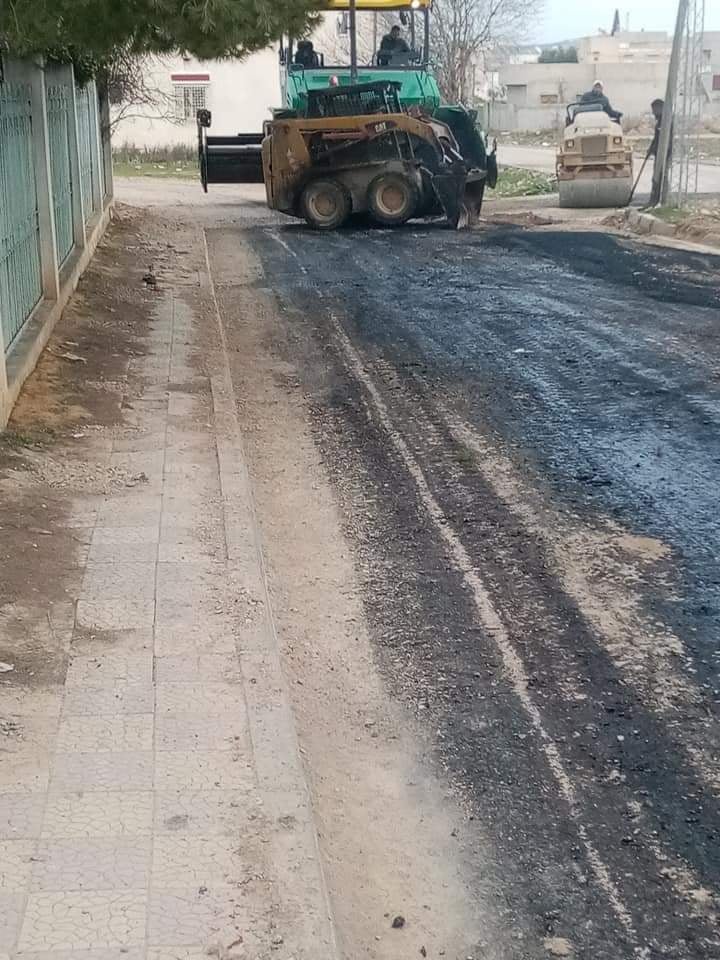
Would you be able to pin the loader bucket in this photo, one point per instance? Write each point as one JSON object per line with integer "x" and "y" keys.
{"x": 474, "y": 193}
{"x": 460, "y": 197}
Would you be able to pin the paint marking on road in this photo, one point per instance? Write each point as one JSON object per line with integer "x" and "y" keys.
{"x": 288, "y": 249}
{"x": 494, "y": 625}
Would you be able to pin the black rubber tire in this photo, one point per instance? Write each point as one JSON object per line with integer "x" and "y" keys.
{"x": 325, "y": 204}
{"x": 405, "y": 202}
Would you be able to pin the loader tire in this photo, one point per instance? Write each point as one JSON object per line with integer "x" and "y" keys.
{"x": 325, "y": 204}
{"x": 392, "y": 199}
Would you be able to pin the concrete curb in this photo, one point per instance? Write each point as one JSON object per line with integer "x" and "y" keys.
{"x": 295, "y": 853}
{"x": 645, "y": 224}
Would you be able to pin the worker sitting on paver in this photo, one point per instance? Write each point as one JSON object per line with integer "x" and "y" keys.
{"x": 306, "y": 56}
{"x": 597, "y": 95}
{"x": 391, "y": 45}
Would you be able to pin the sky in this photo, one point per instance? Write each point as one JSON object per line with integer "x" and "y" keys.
{"x": 563, "y": 20}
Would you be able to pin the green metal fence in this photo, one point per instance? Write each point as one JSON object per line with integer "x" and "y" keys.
{"x": 59, "y": 117}
{"x": 86, "y": 101}
{"x": 20, "y": 274}
{"x": 84, "y": 150}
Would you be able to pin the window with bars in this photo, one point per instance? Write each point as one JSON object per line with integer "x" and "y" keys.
{"x": 189, "y": 98}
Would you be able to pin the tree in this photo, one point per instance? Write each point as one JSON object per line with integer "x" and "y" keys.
{"x": 464, "y": 29}
{"x": 132, "y": 90}
{"x": 559, "y": 55}
{"x": 93, "y": 31}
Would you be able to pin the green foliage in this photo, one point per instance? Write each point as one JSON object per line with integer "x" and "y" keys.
{"x": 87, "y": 32}
{"x": 518, "y": 182}
{"x": 559, "y": 55}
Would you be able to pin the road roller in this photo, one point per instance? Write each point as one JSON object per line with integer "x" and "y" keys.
{"x": 594, "y": 162}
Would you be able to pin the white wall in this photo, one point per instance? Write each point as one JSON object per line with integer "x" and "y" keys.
{"x": 530, "y": 87}
{"x": 240, "y": 95}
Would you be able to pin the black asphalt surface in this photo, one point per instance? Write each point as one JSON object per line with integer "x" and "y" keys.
{"x": 589, "y": 365}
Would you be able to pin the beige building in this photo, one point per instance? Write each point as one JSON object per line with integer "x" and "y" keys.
{"x": 632, "y": 65}
{"x": 240, "y": 95}
{"x": 626, "y": 46}
{"x": 535, "y": 95}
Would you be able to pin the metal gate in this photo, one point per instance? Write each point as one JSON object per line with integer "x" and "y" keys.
{"x": 88, "y": 149}
{"x": 20, "y": 273}
{"x": 59, "y": 102}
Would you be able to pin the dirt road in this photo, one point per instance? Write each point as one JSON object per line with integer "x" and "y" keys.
{"x": 486, "y": 474}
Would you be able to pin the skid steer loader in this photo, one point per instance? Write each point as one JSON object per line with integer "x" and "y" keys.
{"x": 357, "y": 152}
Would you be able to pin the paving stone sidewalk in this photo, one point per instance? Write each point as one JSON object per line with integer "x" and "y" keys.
{"x": 158, "y": 807}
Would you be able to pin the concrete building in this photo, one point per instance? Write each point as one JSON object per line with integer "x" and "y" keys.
{"x": 536, "y": 94}
{"x": 240, "y": 95}
{"x": 625, "y": 46}
{"x": 711, "y": 67}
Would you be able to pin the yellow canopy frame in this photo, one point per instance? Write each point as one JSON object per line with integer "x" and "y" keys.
{"x": 379, "y": 4}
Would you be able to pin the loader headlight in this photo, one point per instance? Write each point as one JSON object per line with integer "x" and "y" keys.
{"x": 569, "y": 144}
{"x": 617, "y": 140}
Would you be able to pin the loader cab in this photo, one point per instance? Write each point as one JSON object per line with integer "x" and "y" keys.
{"x": 418, "y": 87}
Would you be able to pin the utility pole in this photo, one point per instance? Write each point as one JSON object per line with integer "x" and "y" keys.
{"x": 353, "y": 42}
{"x": 661, "y": 170}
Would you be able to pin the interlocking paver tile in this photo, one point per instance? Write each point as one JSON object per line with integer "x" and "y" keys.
{"x": 110, "y": 953}
{"x": 118, "y": 642}
{"x": 205, "y": 667}
{"x": 143, "y": 512}
{"x": 181, "y": 861}
{"x": 107, "y": 667}
{"x": 202, "y": 733}
{"x": 98, "y": 814}
{"x": 118, "y": 581}
{"x": 178, "y": 770}
{"x": 177, "y": 639}
{"x": 21, "y": 815}
{"x": 23, "y": 772}
{"x": 11, "y": 907}
{"x": 128, "y": 770}
{"x": 190, "y": 916}
{"x": 105, "y": 734}
{"x": 117, "y": 699}
{"x": 176, "y": 953}
{"x": 83, "y": 920}
{"x": 110, "y": 613}
{"x": 121, "y": 863}
{"x": 123, "y": 552}
{"x": 205, "y": 812}
{"x": 15, "y": 864}
{"x": 108, "y": 536}
{"x": 205, "y": 699}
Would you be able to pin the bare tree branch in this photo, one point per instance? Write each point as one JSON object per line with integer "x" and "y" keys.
{"x": 463, "y": 32}
{"x": 132, "y": 91}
